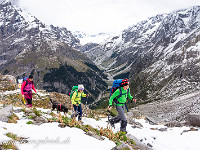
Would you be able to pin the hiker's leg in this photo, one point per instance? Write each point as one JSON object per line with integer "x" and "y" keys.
{"x": 80, "y": 112}
{"x": 117, "y": 118}
{"x": 123, "y": 118}
{"x": 28, "y": 97}
{"x": 29, "y": 102}
{"x": 75, "y": 109}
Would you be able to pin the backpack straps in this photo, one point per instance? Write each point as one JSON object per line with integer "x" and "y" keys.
{"x": 27, "y": 82}
{"x": 116, "y": 99}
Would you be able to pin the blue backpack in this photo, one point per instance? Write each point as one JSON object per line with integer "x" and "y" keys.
{"x": 117, "y": 85}
{"x": 24, "y": 78}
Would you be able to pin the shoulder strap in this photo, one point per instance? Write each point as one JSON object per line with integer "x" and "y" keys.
{"x": 27, "y": 82}
{"x": 120, "y": 90}
{"x": 77, "y": 93}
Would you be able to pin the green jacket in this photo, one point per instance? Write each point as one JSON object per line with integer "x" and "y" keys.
{"x": 122, "y": 99}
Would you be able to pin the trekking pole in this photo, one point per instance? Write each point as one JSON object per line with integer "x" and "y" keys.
{"x": 108, "y": 117}
{"x": 134, "y": 110}
{"x": 24, "y": 100}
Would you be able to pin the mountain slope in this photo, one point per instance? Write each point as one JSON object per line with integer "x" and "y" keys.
{"x": 48, "y": 52}
{"x": 160, "y": 55}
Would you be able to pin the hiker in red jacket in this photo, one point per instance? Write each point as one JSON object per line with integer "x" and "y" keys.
{"x": 26, "y": 90}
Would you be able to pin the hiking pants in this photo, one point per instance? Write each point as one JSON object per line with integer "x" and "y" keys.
{"x": 78, "y": 110}
{"x": 121, "y": 117}
{"x": 28, "y": 97}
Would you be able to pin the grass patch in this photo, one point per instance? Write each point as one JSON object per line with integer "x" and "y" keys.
{"x": 30, "y": 117}
{"x": 29, "y": 122}
{"x": 12, "y": 136}
{"x": 107, "y": 132}
{"x": 9, "y": 145}
{"x": 13, "y": 118}
{"x": 37, "y": 112}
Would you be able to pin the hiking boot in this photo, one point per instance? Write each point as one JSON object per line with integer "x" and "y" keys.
{"x": 123, "y": 125}
{"x": 124, "y": 132}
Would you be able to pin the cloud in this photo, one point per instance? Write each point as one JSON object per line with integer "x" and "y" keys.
{"x": 94, "y": 16}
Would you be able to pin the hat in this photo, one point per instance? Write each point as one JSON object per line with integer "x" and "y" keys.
{"x": 125, "y": 82}
{"x": 30, "y": 77}
{"x": 80, "y": 87}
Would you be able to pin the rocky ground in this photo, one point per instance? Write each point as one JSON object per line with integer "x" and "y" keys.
{"x": 174, "y": 110}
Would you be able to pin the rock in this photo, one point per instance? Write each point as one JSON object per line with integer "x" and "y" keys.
{"x": 162, "y": 129}
{"x": 8, "y": 83}
{"x": 5, "y": 113}
{"x": 136, "y": 113}
{"x": 95, "y": 136}
{"x": 18, "y": 110}
{"x": 193, "y": 119}
{"x": 137, "y": 125}
{"x": 151, "y": 121}
{"x": 40, "y": 120}
{"x": 173, "y": 124}
{"x": 130, "y": 120}
{"x": 139, "y": 144}
{"x": 123, "y": 146}
{"x": 148, "y": 144}
{"x": 10, "y": 78}
{"x": 191, "y": 129}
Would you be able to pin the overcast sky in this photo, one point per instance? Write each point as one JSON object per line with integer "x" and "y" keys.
{"x": 95, "y": 16}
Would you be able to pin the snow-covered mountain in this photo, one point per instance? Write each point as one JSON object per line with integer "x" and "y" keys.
{"x": 29, "y": 46}
{"x": 161, "y": 55}
{"x": 91, "y": 38}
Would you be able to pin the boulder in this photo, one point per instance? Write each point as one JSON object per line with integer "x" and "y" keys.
{"x": 40, "y": 120}
{"x": 130, "y": 120}
{"x": 8, "y": 83}
{"x": 139, "y": 144}
{"x": 123, "y": 146}
{"x": 193, "y": 119}
{"x": 173, "y": 124}
{"x": 151, "y": 121}
{"x": 5, "y": 113}
{"x": 162, "y": 129}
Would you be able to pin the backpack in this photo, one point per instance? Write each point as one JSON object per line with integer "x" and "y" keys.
{"x": 22, "y": 79}
{"x": 74, "y": 88}
{"x": 25, "y": 80}
{"x": 117, "y": 85}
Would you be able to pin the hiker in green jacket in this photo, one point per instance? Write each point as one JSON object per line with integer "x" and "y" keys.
{"x": 120, "y": 105}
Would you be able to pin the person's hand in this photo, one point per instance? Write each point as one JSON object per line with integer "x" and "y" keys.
{"x": 76, "y": 104}
{"x": 134, "y": 100}
{"x": 109, "y": 107}
{"x": 87, "y": 95}
{"x": 22, "y": 96}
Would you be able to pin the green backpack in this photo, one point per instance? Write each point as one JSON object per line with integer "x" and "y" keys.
{"x": 74, "y": 88}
